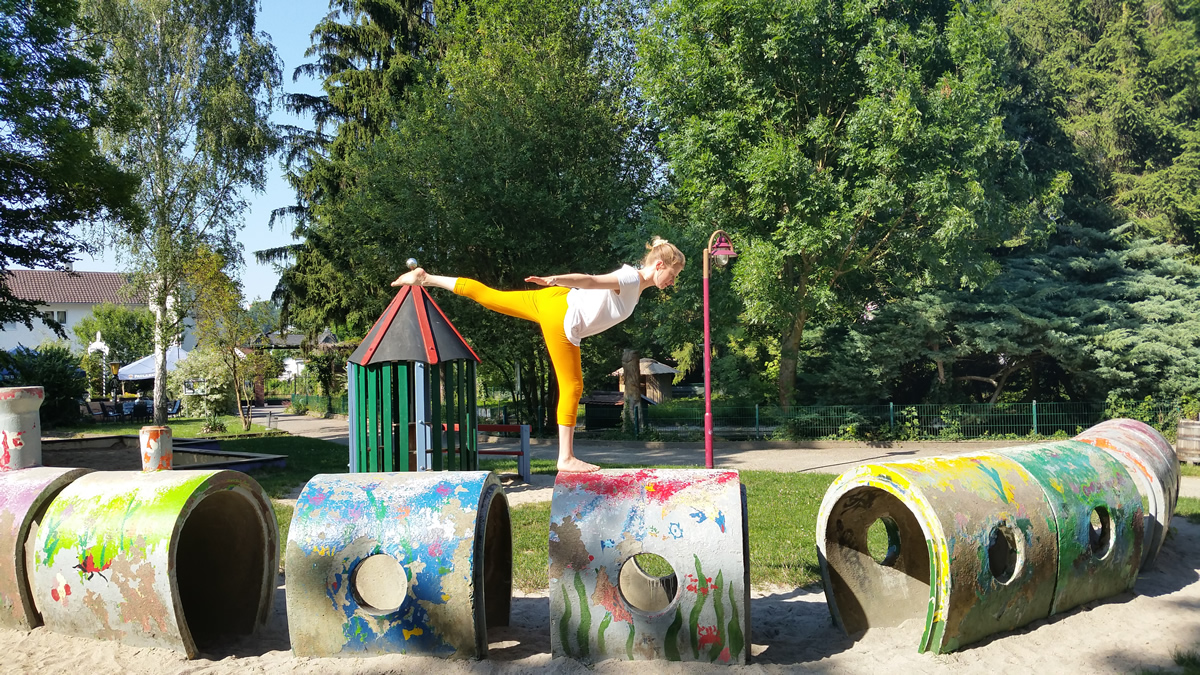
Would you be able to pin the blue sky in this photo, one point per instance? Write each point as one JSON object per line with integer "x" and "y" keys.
{"x": 288, "y": 24}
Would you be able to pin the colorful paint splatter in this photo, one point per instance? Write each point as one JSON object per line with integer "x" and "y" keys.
{"x": 426, "y": 522}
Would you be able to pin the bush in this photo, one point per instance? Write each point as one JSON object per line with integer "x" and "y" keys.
{"x": 211, "y": 390}
{"x": 54, "y": 368}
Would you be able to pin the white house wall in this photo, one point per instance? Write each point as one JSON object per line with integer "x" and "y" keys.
{"x": 15, "y": 334}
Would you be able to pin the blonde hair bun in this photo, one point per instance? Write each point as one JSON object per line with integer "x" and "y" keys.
{"x": 661, "y": 249}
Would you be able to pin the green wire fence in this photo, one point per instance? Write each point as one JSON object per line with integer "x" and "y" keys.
{"x": 685, "y": 419}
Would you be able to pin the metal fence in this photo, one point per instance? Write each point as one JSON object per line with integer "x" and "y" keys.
{"x": 886, "y": 421}
{"x": 923, "y": 421}
{"x": 339, "y": 405}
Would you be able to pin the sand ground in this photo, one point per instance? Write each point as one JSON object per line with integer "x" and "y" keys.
{"x": 790, "y": 627}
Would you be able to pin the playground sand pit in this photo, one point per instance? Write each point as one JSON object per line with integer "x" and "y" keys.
{"x": 791, "y": 633}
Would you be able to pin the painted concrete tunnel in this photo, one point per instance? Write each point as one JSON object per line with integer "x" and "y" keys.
{"x": 988, "y": 542}
{"x": 175, "y": 559}
{"x": 410, "y": 563}
{"x": 605, "y": 604}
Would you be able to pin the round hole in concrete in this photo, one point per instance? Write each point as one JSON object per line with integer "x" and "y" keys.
{"x": 883, "y": 541}
{"x": 648, "y": 582}
{"x": 1003, "y": 553}
{"x": 1100, "y": 531}
{"x": 379, "y": 584}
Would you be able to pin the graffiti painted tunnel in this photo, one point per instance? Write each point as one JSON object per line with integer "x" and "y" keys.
{"x": 988, "y": 542}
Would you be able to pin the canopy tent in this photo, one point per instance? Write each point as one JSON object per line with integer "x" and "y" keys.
{"x": 143, "y": 368}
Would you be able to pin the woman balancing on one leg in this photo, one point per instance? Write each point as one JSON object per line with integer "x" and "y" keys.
{"x": 570, "y": 308}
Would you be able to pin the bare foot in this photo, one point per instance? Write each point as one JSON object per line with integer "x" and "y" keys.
{"x": 415, "y": 277}
{"x": 575, "y": 465}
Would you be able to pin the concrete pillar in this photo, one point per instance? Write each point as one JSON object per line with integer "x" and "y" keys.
{"x": 20, "y": 427}
{"x": 157, "y": 448}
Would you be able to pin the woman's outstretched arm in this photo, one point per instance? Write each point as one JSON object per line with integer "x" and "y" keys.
{"x": 606, "y": 282}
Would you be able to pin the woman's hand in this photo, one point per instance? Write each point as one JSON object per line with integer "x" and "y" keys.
{"x": 541, "y": 281}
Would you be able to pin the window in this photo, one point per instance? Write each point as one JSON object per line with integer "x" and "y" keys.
{"x": 60, "y": 317}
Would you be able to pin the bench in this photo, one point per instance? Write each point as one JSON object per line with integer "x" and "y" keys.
{"x": 522, "y": 455}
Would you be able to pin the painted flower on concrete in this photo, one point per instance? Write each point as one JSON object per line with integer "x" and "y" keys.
{"x": 61, "y": 591}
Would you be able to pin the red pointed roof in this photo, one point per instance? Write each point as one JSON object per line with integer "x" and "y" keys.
{"x": 412, "y": 328}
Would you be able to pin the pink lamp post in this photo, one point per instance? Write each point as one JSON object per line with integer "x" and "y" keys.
{"x": 720, "y": 250}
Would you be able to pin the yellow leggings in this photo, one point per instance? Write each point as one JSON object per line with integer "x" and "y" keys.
{"x": 546, "y": 307}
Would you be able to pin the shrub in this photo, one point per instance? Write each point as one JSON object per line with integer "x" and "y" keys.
{"x": 54, "y": 368}
{"x": 210, "y": 392}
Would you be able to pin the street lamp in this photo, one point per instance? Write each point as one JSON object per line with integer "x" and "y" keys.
{"x": 720, "y": 250}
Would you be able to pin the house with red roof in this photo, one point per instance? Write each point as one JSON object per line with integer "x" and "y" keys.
{"x": 67, "y": 297}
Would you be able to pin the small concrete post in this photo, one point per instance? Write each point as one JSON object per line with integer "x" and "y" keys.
{"x": 20, "y": 427}
{"x": 157, "y": 448}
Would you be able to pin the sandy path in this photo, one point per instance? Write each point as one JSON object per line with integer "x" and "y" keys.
{"x": 791, "y": 633}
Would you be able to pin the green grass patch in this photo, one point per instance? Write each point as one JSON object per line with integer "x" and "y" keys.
{"x": 1189, "y": 661}
{"x": 1190, "y": 470}
{"x": 1189, "y": 507}
{"x": 531, "y": 541}
{"x": 306, "y": 457}
{"x": 180, "y": 428}
{"x": 283, "y": 518}
{"x": 782, "y": 510}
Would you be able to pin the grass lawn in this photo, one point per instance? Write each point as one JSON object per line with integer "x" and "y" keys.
{"x": 1189, "y": 507}
{"x": 306, "y": 457}
{"x": 1189, "y": 470}
{"x": 180, "y": 428}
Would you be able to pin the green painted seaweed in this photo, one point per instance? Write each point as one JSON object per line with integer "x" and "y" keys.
{"x": 718, "y": 590}
{"x": 671, "y": 641}
{"x": 629, "y": 641}
{"x": 564, "y": 635}
{"x": 737, "y": 641}
{"x": 600, "y": 632}
{"x": 694, "y": 617}
{"x": 585, "y": 618}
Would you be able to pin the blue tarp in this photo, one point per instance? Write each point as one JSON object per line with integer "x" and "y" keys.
{"x": 143, "y": 368}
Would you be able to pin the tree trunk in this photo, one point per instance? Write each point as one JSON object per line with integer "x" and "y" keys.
{"x": 160, "y": 365}
{"x": 788, "y": 356}
{"x": 631, "y": 376}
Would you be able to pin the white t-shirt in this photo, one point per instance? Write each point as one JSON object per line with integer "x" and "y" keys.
{"x": 595, "y": 310}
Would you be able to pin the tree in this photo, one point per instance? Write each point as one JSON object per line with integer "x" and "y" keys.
{"x": 204, "y": 81}
{"x": 52, "y": 367}
{"x": 52, "y": 173}
{"x": 848, "y": 148}
{"x": 128, "y": 332}
{"x": 1091, "y": 315}
{"x": 1121, "y": 81}
{"x": 518, "y": 153}
{"x": 367, "y": 55}
{"x": 223, "y": 325}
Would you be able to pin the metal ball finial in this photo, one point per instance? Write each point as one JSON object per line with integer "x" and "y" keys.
{"x": 411, "y": 263}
